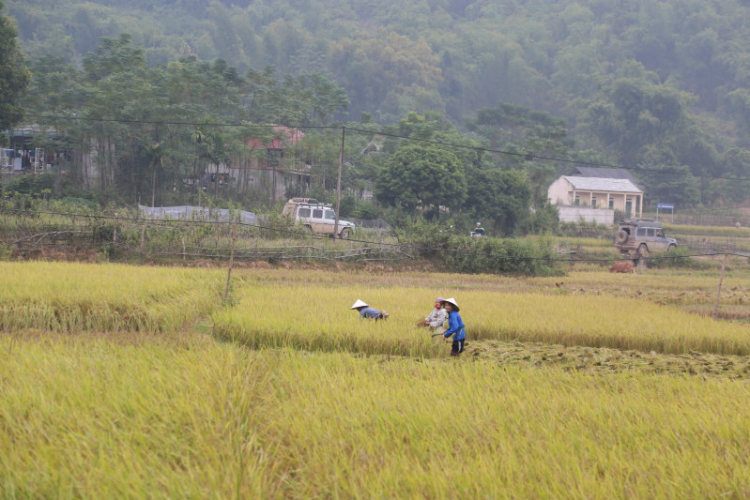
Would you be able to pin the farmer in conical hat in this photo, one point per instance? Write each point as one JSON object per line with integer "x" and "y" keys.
{"x": 455, "y": 326}
{"x": 366, "y": 311}
{"x": 438, "y": 315}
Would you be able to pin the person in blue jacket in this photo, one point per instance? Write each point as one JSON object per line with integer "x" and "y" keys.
{"x": 366, "y": 311}
{"x": 455, "y": 326}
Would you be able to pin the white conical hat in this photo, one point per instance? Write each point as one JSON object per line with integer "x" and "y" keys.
{"x": 452, "y": 302}
{"x": 359, "y": 303}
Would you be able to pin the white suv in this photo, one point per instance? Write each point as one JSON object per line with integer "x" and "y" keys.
{"x": 317, "y": 217}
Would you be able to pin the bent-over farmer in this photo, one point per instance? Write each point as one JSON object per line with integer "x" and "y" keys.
{"x": 366, "y": 311}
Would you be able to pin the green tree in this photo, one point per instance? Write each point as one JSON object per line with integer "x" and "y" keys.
{"x": 628, "y": 77}
{"x": 671, "y": 184}
{"x": 500, "y": 198}
{"x": 307, "y": 99}
{"x": 736, "y": 164}
{"x": 526, "y": 134}
{"x": 14, "y": 77}
{"x": 422, "y": 177}
{"x": 633, "y": 115}
{"x": 648, "y": 127}
{"x": 379, "y": 69}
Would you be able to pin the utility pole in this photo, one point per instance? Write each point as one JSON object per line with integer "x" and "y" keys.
{"x": 338, "y": 183}
{"x": 718, "y": 292}
{"x": 233, "y": 235}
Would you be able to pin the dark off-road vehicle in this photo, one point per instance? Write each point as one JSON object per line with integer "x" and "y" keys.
{"x": 642, "y": 236}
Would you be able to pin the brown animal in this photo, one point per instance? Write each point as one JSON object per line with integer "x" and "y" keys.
{"x": 622, "y": 267}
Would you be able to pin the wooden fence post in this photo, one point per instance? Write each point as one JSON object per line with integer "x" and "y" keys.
{"x": 718, "y": 292}
{"x": 231, "y": 257}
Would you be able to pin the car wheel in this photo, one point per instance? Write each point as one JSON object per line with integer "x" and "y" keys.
{"x": 643, "y": 250}
{"x": 309, "y": 229}
{"x": 622, "y": 236}
{"x": 345, "y": 234}
{"x": 671, "y": 247}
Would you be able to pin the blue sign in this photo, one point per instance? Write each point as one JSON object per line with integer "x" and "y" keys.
{"x": 665, "y": 206}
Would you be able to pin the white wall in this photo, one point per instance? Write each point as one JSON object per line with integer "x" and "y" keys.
{"x": 559, "y": 192}
{"x": 587, "y": 214}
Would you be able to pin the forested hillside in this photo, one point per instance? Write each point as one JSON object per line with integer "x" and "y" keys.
{"x": 660, "y": 87}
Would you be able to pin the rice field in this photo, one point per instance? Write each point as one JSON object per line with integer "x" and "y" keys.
{"x": 151, "y": 387}
{"x": 315, "y": 317}
{"x": 79, "y": 297}
{"x": 88, "y": 417}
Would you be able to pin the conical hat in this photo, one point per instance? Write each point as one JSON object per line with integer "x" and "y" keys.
{"x": 359, "y": 303}
{"x": 452, "y": 302}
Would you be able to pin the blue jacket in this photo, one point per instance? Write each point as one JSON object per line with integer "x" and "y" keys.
{"x": 369, "y": 312}
{"x": 455, "y": 326}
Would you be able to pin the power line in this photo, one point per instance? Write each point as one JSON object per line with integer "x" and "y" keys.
{"x": 532, "y": 156}
{"x": 160, "y": 122}
{"x": 526, "y": 156}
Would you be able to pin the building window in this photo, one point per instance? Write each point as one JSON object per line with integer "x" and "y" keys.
{"x": 578, "y": 200}
{"x": 593, "y": 201}
{"x": 612, "y": 204}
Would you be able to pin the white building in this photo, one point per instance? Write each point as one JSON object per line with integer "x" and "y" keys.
{"x": 594, "y": 198}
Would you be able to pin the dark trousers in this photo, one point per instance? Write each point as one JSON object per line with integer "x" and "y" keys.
{"x": 458, "y": 347}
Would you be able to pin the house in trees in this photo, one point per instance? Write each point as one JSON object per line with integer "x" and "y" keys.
{"x": 32, "y": 149}
{"x": 265, "y": 164}
{"x": 38, "y": 149}
{"x": 594, "y": 199}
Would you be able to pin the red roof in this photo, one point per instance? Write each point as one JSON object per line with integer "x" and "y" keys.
{"x": 283, "y": 138}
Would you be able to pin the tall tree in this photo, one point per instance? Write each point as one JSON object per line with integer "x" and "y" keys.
{"x": 422, "y": 177}
{"x": 501, "y": 198}
{"x": 527, "y": 133}
{"x": 307, "y": 99}
{"x": 14, "y": 77}
{"x": 381, "y": 69}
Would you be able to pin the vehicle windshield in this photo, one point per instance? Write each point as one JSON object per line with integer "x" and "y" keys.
{"x": 330, "y": 215}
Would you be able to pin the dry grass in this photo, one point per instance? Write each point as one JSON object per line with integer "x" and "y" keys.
{"x": 81, "y": 416}
{"x": 314, "y": 317}
{"x": 85, "y": 417}
{"x": 162, "y": 413}
{"x": 105, "y": 297}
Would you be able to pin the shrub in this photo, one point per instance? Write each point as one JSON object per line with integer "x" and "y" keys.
{"x": 495, "y": 256}
{"x": 73, "y": 203}
{"x": 32, "y": 185}
{"x": 546, "y": 220}
{"x": 427, "y": 239}
{"x": 366, "y": 210}
{"x": 677, "y": 258}
{"x": 276, "y": 226}
{"x": 585, "y": 229}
